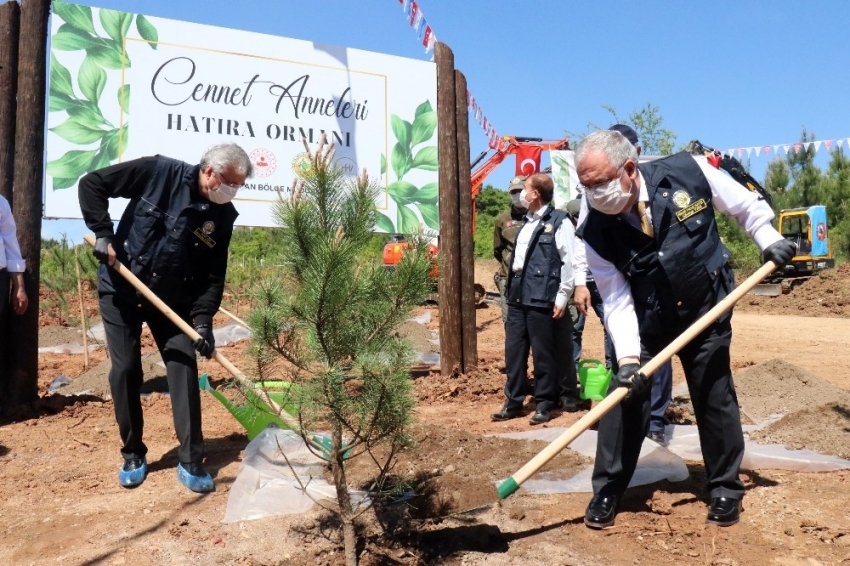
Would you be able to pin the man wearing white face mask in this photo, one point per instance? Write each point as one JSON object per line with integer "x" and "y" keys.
{"x": 173, "y": 236}
{"x": 655, "y": 252}
{"x": 504, "y": 238}
{"x": 541, "y": 281}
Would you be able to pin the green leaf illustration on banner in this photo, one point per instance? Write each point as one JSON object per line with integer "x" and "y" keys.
{"x": 72, "y": 165}
{"x": 77, "y": 132}
{"x": 430, "y": 215}
{"x": 401, "y": 129}
{"x": 426, "y": 158}
{"x": 408, "y": 197}
{"x": 91, "y": 79}
{"x": 109, "y": 55}
{"x": 400, "y": 159}
{"x": 384, "y": 223}
{"x": 76, "y": 15}
{"x": 86, "y": 123}
{"x": 423, "y": 127}
{"x": 383, "y": 164}
{"x": 427, "y": 194}
{"x": 402, "y": 192}
{"x": 116, "y": 23}
{"x": 408, "y": 222}
{"x": 124, "y": 98}
{"x": 147, "y": 31}
{"x": 70, "y": 38}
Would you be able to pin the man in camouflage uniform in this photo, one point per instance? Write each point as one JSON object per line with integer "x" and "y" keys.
{"x": 504, "y": 237}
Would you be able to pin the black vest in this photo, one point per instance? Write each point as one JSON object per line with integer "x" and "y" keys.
{"x": 170, "y": 236}
{"x": 541, "y": 274}
{"x": 680, "y": 273}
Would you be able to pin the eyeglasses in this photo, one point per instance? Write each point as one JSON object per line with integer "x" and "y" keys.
{"x": 226, "y": 182}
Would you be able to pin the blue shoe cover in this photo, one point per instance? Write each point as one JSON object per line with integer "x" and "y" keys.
{"x": 134, "y": 477}
{"x": 198, "y": 484}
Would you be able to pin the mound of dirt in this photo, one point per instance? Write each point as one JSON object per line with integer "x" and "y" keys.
{"x": 452, "y": 470}
{"x": 779, "y": 388}
{"x": 826, "y": 294}
{"x": 96, "y": 380}
{"x": 823, "y": 428}
{"x": 49, "y": 336}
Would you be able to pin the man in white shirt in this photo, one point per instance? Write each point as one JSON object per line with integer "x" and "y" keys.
{"x": 655, "y": 252}
{"x": 12, "y": 267}
{"x": 537, "y": 291}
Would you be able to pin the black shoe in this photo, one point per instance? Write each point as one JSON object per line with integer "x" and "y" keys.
{"x": 658, "y": 437}
{"x": 540, "y": 416}
{"x": 507, "y": 414}
{"x": 601, "y": 511}
{"x": 724, "y": 512}
{"x": 569, "y": 404}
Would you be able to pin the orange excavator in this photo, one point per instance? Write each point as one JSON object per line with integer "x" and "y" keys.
{"x": 508, "y": 145}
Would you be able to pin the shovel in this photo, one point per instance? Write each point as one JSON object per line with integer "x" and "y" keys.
{"x": 187, "y": 329}
{"x": 512, "y": 484}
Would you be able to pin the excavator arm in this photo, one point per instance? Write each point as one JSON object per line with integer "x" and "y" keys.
{"x": 508, "y": 145}
{"x": 732, "y": 166}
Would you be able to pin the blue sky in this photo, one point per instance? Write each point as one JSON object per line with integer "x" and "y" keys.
{"x": 731, "y": 74}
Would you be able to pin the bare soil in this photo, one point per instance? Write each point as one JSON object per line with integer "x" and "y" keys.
{"x": 60, "y": 501}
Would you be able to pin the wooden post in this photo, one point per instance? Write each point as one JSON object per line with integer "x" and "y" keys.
{"x": 469, "y": 326}
{"x": 451, "y": 337}
{"x": 28, "y": 182}
{"x": 10, "y": 25}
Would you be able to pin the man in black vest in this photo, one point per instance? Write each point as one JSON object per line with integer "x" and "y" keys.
{"x": 504, "y": 238}
{"x": 654, "y": 250}
{"x": 539, "y": 286}
{"x": 173, "y": 236}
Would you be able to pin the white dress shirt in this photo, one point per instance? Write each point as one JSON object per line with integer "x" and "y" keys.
{"x": 564, "y": 237}
{"x": 10, "y": 251}
{"x": 728, "y": 196}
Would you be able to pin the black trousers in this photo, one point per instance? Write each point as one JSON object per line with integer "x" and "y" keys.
{"x": 551, "y": 345}
{"x": 122, "y": 322}
{"x": 707, "y": 370}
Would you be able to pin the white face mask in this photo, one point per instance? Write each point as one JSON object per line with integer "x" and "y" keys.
{"x": 523, "y": 199}
{"x": 515, "y": 200}
{"x": 609, "y": 198}
{"x": 223, "y": 194}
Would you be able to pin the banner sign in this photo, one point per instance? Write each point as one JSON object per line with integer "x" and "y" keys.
{"x": 124, "y": 86}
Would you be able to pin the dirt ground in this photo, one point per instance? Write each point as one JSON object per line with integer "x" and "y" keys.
{"x": 60, "y": 501}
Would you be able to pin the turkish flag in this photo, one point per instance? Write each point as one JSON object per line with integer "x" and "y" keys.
{"x": 528, "y": 159}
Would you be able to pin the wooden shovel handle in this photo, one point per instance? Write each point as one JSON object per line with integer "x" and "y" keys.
{"x": 512, "y": 484}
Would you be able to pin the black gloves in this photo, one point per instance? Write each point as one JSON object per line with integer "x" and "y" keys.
{"x": 101, "y": 249}
{"x": 630, "y": 377}
{"x": 780, "y": 252}
{"x": 206, "y": 343}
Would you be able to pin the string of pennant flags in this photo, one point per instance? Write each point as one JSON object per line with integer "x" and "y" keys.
{"x": 788, "y": 148}
{"x": 425, "y": 33}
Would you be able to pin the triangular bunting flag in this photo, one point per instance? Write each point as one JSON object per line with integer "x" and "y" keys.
{"x": 758, "y": 151}
{"x": 817, "y": 145}
{"x": 828, "y": 144}
{"x": 786, "y": 147}
{"x": 839, "y": 143}
{"x": 740, "y": 152}
{"x": 426, "y": 39}
{"x": 796, "y": 148}
{"x": 766, "y": 149}
{"x": 414, "y": 9}
{"x": 749, "y": 152}
{"x": 405, "y": 6}
{"x": 731, "y": 153}
{"x": 776, "y": 149}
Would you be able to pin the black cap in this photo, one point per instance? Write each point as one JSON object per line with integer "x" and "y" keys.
{"x": 627, "y": 132}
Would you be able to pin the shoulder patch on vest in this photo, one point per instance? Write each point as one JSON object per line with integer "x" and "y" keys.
{"x": 686, "y": 213}
{"x": 547, "y": 228}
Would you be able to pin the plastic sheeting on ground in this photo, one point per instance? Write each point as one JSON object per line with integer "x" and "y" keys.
{"x": 69, "y": 348}
{"x": 657, "y": 463}
{"x": 266, "y": 486}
